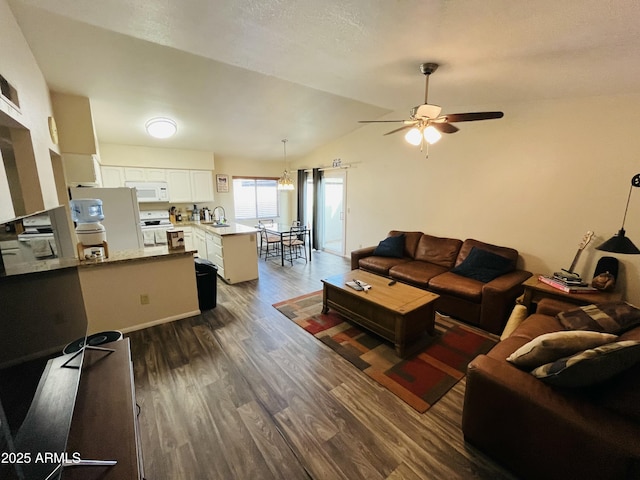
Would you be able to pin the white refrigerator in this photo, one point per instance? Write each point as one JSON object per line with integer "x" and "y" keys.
{"x": 121, "y": 215}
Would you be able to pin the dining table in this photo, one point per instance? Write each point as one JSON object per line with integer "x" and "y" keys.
{"x": 284, "y": 231}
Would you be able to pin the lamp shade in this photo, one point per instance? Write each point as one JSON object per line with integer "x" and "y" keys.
{"x": 619, "y": 244}
{"x": 431, "y": 135}
{"x": 414, "y": 136}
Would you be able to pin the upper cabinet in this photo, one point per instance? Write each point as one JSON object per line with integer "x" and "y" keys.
{"x": 185, "y": 186}
{"x": 201, "y": 185}
{"x": 190, "y": 186}
{"x": 112, "y": 177}
{"x": 140, "y": 174}
{"x": 81, "y": 170}
{"x": 74, "y": 123}
{"x": 179, "y": 186}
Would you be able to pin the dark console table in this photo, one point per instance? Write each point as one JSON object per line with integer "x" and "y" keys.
{"x": 104, "y": 424}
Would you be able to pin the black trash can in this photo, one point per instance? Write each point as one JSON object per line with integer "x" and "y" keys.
{"x": 206, "y": 278}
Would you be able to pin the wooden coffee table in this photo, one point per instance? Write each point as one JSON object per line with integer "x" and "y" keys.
{"x": 399, "y": 313}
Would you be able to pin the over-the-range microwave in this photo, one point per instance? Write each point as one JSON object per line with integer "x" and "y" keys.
{"x": 150, "y": 191}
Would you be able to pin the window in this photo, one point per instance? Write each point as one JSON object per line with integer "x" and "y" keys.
{"x": 255, "y": 198}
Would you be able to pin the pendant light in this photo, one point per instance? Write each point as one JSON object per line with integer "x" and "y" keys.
{"x": 619, "y": 243}
{"x": 285, "y": 182}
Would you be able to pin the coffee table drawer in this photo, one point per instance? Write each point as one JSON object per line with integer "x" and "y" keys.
{"x": 369, "y": 315}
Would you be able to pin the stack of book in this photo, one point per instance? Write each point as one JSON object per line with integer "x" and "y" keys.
{"x": 565, "y": 285}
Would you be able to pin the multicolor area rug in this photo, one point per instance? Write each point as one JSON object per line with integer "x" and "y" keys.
{"x": 420, "y": 380}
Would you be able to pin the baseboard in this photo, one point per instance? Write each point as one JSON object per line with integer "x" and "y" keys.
{"x": 161, "y": 321}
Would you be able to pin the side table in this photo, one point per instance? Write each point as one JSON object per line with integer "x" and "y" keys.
{"x": 534, "y": 291}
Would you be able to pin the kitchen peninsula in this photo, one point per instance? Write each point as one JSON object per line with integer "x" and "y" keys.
{"x": 130, "y": 290}
{"x": 231, "y": 247}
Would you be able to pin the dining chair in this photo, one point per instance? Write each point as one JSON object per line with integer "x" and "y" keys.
{"x": 268, "y": 242}
{"x": 295, "y": 243}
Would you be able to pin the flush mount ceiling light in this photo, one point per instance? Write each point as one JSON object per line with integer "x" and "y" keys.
{"x": 285, "y": 182}
{"x": 161, "y": 127}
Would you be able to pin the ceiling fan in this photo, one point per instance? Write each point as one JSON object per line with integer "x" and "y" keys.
{"x": 427, "y": 123}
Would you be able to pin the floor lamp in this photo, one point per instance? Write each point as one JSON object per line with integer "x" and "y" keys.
{"x": 619, "y": 243}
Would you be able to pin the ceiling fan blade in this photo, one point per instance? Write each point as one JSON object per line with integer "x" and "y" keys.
{"x": 444, "y": 127}
{"x": 381, "y": 121}
{"x": 471, "y": 117}
{"x": 399, "y": 129}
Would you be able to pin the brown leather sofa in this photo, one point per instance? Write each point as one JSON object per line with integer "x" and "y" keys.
{"x": 540, "y": 431}
{"x": 426, "y": 263}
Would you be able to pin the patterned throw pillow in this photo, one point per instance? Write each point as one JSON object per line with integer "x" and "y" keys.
{"x": 553, "y": 346}
{"x": 611, "y": 317}
{"x": 590, "y": 366}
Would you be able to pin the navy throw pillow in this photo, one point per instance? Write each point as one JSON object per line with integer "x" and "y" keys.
{"x": 483, "y": 265}
{"x": 391, "y": 247}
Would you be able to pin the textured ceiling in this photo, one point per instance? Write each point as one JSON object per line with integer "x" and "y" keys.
{"x": 240, "y": 75}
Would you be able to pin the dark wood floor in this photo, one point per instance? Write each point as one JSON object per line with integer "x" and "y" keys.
{"x": 241, "y": 392}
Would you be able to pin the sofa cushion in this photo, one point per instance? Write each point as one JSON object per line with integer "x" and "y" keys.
{"x": 437, "y": 250}
{"x": 391, "y": 247}
{"x": 483, "y": 265}
{"x": 620, "y": 394}
{"x": 555, "y": 345}
{"x": 411, "y": 240}
{"x": 469, "y": 243}
{"x": 416, "y": 272}
{"x": 590, "y": 366}
{"x": 610, "y": 317}
{"x": 457, "y": 286}
{"x": 381, "y": 265}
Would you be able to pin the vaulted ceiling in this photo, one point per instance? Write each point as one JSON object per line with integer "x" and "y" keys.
{"x": 238, "y": 76}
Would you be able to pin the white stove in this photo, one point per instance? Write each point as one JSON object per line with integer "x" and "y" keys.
{"x": 37, "y": 241}
{"x": 154, "y": 225}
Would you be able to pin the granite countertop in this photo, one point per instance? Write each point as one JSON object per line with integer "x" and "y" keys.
{"x": 147, "y": 253}
{"x": 142, "y": 254}
{"x": 39, "y": 266}
{"x": 230, "y": 228}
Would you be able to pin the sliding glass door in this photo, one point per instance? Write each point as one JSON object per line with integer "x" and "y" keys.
{"x": 332, "y": 208}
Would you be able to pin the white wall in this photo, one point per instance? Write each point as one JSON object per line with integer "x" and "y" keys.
{"x": 138, "y": 156}
{"x": 535, "y": 180}
{"x": 19, "y": 67}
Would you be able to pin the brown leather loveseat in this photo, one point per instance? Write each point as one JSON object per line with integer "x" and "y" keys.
{"x": 538, "y": 430}
{"x": 438, "y": 264}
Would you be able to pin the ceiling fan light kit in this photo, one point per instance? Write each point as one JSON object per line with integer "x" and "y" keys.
{"x": 426, "y": 122}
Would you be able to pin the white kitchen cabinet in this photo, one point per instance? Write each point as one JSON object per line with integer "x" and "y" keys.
{"x": 141, "y": 174}
{"x": 188, "y": 237}
{"x": 112, "y": 177}
{"x": 155, "y": 175}
{"x": 200, "y": 242}
{"x": 214, "y": 249}
{"x": 201, "y": 186}
{"x": 81, "y": 169}
{"x": 179, "y": 186}
{"x": 233, "y": 250}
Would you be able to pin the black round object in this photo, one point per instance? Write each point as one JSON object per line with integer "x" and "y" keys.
{"x": 93, "y": 341}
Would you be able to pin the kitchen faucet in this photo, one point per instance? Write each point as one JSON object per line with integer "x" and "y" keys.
{"x": 217, "y": 217}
